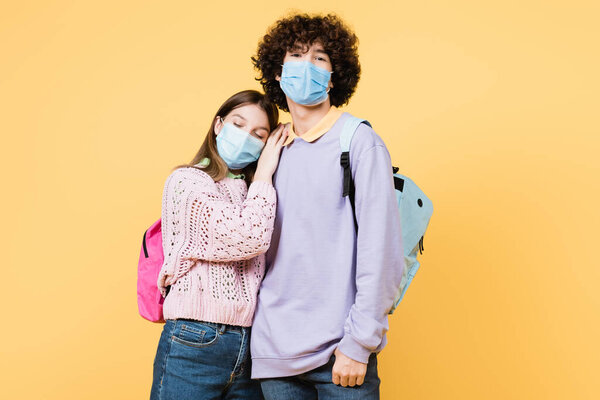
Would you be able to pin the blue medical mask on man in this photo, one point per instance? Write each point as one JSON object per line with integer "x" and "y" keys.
{"x": 304, "y": 82}
{"x": 237, "y": 147}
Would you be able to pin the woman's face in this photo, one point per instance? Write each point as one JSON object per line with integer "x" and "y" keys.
{"x": 250, "y": 118}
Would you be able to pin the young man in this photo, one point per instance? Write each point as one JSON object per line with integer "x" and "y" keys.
{"x": 321, "y": 314}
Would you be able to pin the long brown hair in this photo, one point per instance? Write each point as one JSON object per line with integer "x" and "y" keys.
{"x": 217, "y": 169}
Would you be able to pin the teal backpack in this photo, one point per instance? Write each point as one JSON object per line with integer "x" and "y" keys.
{"x": 415, "y": 208}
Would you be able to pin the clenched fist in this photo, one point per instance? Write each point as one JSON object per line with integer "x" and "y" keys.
{"x": 346, "y": 371}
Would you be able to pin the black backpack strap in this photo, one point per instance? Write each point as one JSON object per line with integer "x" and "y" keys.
{"x": 348, "y": 130}
{"x": 348, "y": 184}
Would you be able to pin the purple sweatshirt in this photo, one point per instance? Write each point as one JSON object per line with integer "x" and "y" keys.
{"x": 326, "y": 285}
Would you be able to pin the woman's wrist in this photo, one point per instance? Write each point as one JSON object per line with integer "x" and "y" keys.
{"x": 261, "y": 176}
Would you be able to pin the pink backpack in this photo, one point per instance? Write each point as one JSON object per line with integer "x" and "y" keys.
{"x": 150, "y": 300}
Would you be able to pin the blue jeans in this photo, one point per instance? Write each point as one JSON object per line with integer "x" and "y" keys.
{"x": 203, "y": 360}
{"x": 317, "y": 384}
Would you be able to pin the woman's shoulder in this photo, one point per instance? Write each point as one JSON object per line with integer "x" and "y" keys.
{"x": 189, "y": 176}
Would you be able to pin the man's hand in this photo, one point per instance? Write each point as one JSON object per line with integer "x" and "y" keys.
{"x": 346, "y": 371}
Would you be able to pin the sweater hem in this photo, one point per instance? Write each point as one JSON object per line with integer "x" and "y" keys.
{"x": 264, "y": 367}
{"x": 203, "y": 309}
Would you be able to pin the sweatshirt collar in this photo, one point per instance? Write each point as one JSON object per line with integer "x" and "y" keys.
{"x": 322, "y": 127}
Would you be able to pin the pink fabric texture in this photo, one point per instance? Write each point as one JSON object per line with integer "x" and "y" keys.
{"x": 214, "y": 236}
{"x": 150, "y": 300}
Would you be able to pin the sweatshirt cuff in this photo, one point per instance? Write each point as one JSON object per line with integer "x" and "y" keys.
{"x": 263, "y": 189}
{"x": 353, "y": 349}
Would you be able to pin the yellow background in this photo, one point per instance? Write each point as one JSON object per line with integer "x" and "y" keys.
{"x": 491, "y": 107}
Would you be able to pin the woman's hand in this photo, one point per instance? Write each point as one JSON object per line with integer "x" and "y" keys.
{"x": 269, "y": 158}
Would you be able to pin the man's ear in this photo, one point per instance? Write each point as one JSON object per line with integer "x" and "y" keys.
{"x": 278, "y": 78}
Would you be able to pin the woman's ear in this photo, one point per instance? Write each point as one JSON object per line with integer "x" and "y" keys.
{"x": 218, "y": 125}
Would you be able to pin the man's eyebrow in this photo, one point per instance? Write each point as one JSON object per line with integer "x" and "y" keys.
{"x": 297, "y": 48}
{"x": 304, "y": 49}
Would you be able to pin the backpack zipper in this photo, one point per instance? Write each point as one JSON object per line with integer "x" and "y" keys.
{"x": 144, "y": 245}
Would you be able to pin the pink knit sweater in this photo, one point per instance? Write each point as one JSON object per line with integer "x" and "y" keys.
{"x": 214, "y": 235}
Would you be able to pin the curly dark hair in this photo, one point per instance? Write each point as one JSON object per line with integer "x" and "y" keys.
{"x": 340, "y": 43}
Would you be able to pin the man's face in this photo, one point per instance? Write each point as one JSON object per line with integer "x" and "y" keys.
{"x": 314, "y": 53}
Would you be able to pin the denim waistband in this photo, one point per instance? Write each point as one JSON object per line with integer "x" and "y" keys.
{"x": 218, "y": 326}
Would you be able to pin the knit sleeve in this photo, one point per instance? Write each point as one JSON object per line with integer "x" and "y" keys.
{"x": 218, "y": 230}
{"x": 172, "y": 236}
{"x": 198, "y": 223}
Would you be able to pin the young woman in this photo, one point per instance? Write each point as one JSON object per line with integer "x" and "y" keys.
{"x": 217, "y": 220}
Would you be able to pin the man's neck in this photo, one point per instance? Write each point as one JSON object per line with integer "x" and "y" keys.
{"x": 305, "y": 117}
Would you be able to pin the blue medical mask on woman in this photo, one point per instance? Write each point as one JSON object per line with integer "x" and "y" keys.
{"x": 304, "y": 82}
{"x": 237, "y": 147}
